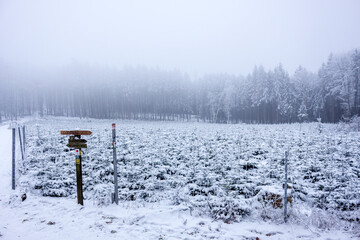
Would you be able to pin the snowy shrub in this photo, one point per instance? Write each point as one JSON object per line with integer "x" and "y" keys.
{"x": 179, "y": 198}
{"x": 269, "y": 206}
{"x": 228, "y": 209}
{"x": 214, "y": 169}
{"x": 102, "y": 194}
{"x": 323, "y": 220}
{"x": 355, "y": 123}
{"x": 267, "y": 212}
{"x": 354, "y": 226}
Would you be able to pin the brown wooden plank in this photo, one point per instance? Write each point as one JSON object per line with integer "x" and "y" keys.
{"x": 76, "y": 132}
{"x": 77, "y": 141}
{"x": 77, "y": 145}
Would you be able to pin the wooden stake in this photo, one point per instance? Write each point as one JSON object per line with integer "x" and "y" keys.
{"x": 80, "y": 196}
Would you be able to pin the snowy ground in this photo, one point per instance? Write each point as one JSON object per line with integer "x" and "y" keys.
{"x": 41, "y": 217}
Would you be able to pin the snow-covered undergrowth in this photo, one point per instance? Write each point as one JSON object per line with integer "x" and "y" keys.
{"x": 228, "y": 172}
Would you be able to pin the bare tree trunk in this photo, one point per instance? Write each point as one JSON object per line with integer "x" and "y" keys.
{"x": 356, "y": 100}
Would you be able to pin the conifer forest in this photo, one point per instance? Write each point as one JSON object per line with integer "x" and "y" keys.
{"x": 263, "y": 96}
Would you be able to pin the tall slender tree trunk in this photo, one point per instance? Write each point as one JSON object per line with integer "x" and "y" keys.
{"x": 356, "y": 100}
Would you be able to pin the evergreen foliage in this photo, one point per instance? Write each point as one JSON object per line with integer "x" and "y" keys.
{"x": 224, "y": 171}
{"x": 151, "y": 94}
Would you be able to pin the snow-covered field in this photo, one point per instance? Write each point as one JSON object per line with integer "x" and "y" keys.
{"x": 183, "y": 181}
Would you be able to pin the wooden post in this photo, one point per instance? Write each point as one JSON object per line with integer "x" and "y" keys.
{"x": 77, "y": 144}
{"x": 13, "y": 158}
{"x": 79, "y": 177}
{"x": 21, "y": 145}
{"x": 116, "y": 193}
{"x": 285, "y": 197}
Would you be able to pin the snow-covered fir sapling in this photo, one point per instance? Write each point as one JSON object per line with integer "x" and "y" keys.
{"x": 319, "y": 125}
{"x": 205, "y": 166}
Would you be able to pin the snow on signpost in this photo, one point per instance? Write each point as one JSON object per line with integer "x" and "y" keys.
{"x": 77, "y": 144}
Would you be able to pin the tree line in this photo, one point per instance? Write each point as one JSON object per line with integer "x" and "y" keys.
{"x": 272, "y": 96}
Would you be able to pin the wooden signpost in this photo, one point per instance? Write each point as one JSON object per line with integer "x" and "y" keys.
{"x": 76, "y": 133}
{"x": 76, "y": 142}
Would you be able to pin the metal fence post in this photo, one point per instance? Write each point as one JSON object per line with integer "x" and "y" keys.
{"x": 13, "y": 158}
{"x": 285, "y": 197}
{"x": 24, "y": 139}
{"x": 21, "y": 145}
{"x": 116, "y": 193}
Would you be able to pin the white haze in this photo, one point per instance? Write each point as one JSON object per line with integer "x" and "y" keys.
{"x": 197, "y": 37}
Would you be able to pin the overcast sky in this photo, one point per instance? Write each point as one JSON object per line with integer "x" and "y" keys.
{"x": 193, "y": 36}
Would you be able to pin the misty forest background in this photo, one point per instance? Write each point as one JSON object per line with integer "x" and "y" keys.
{"x": 273, "y": 96}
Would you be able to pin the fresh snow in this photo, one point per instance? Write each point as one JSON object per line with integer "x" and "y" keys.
{"x": 160, "y": 211}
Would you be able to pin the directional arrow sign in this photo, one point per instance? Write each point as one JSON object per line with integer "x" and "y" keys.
{"x": 77, "y": 141}
{"x": 76, "y": 132}
{"x": 77, "y": 145}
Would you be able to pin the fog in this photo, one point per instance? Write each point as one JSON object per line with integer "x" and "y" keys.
{"x": 214, "y": 61}
{"x": 196, "y": 37}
